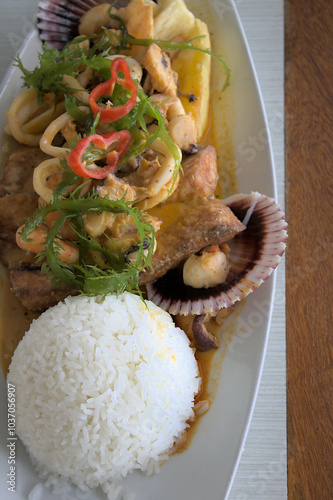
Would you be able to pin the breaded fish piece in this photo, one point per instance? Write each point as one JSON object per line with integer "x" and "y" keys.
{"x": 12, "y": 256}
{"x": 17, "y": 177}
{"x": 14, "y": 209}
{"x": 34, "y": 289}
{"x": 205, "y": 222}
{"x": 199, "y": 178}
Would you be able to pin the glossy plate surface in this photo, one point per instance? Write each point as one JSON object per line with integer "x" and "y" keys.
{"x": 207, "y": 468}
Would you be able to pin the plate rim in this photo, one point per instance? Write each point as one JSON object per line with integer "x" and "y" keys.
{"x": 3, "y": 88}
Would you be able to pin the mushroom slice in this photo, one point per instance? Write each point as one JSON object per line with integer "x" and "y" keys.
{"x": 204, "y": 339}
{"x": 254, "y": 254}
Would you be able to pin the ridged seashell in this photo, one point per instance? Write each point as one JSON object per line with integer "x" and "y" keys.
{"x": 58, "y": 20}
{"x": 254, "y": 254}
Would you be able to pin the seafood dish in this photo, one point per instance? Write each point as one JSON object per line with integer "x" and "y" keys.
{"x": 113, "y": 192}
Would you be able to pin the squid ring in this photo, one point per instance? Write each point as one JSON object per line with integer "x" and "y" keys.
{"x": 21, "y": 122}
{"x": 166, "y": 172}
{"x": 41, "y": 175}
{"x": 59, "y": 124}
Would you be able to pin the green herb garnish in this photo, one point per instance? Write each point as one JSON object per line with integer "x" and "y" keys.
{"x": 117, "y": 274}
{"x": 53, "y": 63}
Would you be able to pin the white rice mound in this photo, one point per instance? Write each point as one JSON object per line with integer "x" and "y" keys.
{"x": 102, "y": 388}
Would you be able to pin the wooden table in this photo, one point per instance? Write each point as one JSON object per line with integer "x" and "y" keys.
{"x": 309, "y": 152}
{"x": 262, "y": 470}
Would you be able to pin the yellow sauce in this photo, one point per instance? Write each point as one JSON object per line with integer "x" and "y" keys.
{"x": 168, "y": 213}
{"x": 15, "y": 320}
{"x": 210, "y": 364}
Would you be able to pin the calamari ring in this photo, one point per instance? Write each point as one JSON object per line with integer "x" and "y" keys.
{"x": 41, "y": 174}
{"x": 73, "y": 83}
{"x": 44, "y": 171}
{"x": 95, "y": 224}
{"x": 166, "y": 172}
{"x": 60, "y": 124}
{"x": 22, "y": 124}
{"x": 161, "y": 196}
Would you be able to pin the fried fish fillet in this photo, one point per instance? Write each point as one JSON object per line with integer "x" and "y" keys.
{"x": 34, "y": 290}
{"x": 14, "y": 209}
{"x": 200, "y": 176}
{"x": 17, "y": 177}
{"x": 205, "y": 222}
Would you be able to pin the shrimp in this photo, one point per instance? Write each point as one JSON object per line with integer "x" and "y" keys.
{"x": 208, "y": 269}
{"x": 68, "y": 252}
{"x": 162, "y": 183}
{"x": 169, "y": 106}
{"x": 66, "y": 231}
{"x": 181, "y": 126}
{"x": 114, "y": 188}
{"x": 183, "y": 132}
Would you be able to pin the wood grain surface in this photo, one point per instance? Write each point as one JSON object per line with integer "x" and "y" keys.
{"x": 262, "y": 471}
{"x": 309, "y": 153}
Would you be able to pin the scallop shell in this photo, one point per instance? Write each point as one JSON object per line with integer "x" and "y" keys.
{"x": 254, "y": 254}
{"x": 58, "y": 20}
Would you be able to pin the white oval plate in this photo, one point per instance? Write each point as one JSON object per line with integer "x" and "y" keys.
{"x": 207, "y": 468}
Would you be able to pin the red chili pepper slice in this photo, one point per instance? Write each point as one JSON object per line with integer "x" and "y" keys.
{"x": 78, "y": 166}
{"x": 111, "y": 113}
